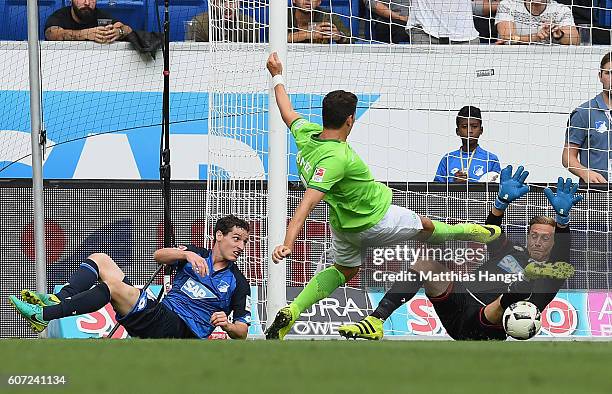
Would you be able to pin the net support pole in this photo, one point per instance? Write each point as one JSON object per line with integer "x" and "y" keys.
{"x": 277, "y": 168}
{"x": 38, "y": 141}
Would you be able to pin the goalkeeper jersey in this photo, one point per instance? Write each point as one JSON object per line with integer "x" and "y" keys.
{"x": 357, "y": 202}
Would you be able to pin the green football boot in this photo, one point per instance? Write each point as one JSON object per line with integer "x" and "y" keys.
{"x": 369, "y": 327}
{"x": 32, "y": 313}
{"x": 559, "y": 270}
{"x": 41, "y": 299}
{"x": 282, "y": 323}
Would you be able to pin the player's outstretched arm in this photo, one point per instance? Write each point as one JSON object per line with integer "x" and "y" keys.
{"x": 309, "y": 201}
{"x": 511, "y": 188}
{"x": 172, "y": 255}
{"x": 275, "y": 67}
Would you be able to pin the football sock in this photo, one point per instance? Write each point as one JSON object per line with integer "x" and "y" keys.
{"x": 444, "y": 232}
{"x": 320, "y": 286}
{"x": 84, "y": 302}
{"x": 397, "y": 295}
{"x": 82, "y": 279}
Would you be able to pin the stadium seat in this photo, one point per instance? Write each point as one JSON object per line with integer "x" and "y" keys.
{"x": 14, "y": 18}
{"x": 180, "y": 11}
{"x": 131, "y": 12}
{"x": 603, "y": 12}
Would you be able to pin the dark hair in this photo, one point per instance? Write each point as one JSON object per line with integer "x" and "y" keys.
{"x": 227, "y": 223}
{"x": 469, "y": 111}
{"x": 605, "y": 60}
{"x": 337, "y": 106}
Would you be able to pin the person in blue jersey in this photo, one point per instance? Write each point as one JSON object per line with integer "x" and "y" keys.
{"x": 207, "y": 287}
{"x": 470, "y": 162}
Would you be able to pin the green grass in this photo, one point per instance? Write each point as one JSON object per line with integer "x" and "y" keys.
{"x": 429, "y": 367}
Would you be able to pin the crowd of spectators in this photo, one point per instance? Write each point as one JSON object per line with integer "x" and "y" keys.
{"x": 564, "y": 22}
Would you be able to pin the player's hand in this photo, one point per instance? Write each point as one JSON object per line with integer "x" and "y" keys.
{"x": 511, "y": 187}
{"x": 461, "y": 177}
{"x": 564, "y": 199}
{"x": 219, "y": 319}
{"x": 274, "y": 64}
{"x": 593, "y": 177}
{"x": 280, "y": 252}
{"x": 198, "y": 263}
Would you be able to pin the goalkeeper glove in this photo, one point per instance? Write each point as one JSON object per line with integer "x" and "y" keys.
{"x": 511, "y": 187}
{"x": 564, "y": 199}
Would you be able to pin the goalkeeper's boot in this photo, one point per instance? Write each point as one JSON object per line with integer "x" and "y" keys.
{"x": 36, "y": 298}
{"x": 32, "y": 313}
{"x": 282, "y": 323}
{"x": 559, "y": 270}
{"x": 369, "y": 327}
{"x": 481, "y": 233}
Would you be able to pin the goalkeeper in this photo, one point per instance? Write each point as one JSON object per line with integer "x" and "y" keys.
{"x": 206, "y": 288}
{"x": 474, "y": 309}
{"x": 361, "y": 213}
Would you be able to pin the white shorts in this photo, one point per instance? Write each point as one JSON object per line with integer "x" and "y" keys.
{"x": 398, "y": 225}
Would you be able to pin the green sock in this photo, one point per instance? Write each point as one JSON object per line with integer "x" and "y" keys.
{"x": 444, "y": 232}
{"x": 320, "y": 286}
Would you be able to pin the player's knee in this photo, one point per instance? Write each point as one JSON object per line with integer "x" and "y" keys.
{"x": 348, "y": 272}
{"x": 425, "y": 266}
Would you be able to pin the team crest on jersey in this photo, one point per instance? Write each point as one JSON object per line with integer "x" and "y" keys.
{"x": 196, "y": 291}
{"x": 478, "y": 170}
{"x": 510, "y": 264}
{"x": 318, "y": 174}
{"x": 223, "y": 286}
{"x": 600, "y": 126}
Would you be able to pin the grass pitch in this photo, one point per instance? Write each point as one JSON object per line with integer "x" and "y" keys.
{"x": 171, "y": 366}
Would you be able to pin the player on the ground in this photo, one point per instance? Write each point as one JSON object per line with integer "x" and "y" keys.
{"x": 206, "y": 288}
{"x": 361, "y": 213}
{"x": 473, "y": 309}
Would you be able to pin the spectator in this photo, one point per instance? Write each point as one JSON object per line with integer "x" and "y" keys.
{"x": 583, "y": 12}
{"x": 84, "y": 22}
{"x": 543, "y": 21}
{"x": 588, "y": 133}
{"x": 229, "y": 24}
{"x": 484, "y": 19}
{"x": 390, "y": 18}
{"x": 470, "y": 162}
{"x": 308, "y": 22}
{"x": 442, "y": 22}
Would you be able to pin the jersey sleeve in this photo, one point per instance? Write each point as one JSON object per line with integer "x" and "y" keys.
{"x": 327, "y": 173}
{"x": 302, "y": 129}
{"x": 504, "y": 12}
{"x": 240, "y": 304}
{"x": 576, "y": 129}
{"x": 494, "y": 165}
{"x": 192, "y": 248}
{"x": 442, "y": 173}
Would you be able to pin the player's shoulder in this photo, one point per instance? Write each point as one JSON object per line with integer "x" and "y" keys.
{"x": 195, "y": 249}
{"x": 60, "y": 14}
{"x": 241, "y": 280}
{"x": 302, "y": 124}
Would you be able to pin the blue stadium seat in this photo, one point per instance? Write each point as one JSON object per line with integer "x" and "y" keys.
{"x": 180, "y": 11}
{"x": 131, "y": 12}
{"x": 14, "y": 18}
{"x": 603, "y": 12}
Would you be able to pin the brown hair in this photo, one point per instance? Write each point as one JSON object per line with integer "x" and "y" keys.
{"x": 542, "y": 220}
{"x": 605, "y": 60}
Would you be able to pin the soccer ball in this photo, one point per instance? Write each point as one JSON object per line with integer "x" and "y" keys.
{"x": 522, "y": 320}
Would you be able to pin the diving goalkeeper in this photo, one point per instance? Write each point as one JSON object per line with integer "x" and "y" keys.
{"x": 474, "y": 309}
{"x": 361, "y": 213}
{"x": 206, "y": 288}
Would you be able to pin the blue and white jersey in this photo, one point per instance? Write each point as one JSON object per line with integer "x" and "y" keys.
{"x": 476, "y": 164}
{"x": 195, "y": 298}
{"x": 590, "y": 127}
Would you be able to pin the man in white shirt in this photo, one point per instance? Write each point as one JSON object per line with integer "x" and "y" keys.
{"x": 442, "y": 22}
{"x": 530, "y": 21}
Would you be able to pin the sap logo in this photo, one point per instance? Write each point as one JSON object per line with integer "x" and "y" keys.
{"x": 196, "y": 291}
{"x": 223, "y": 286}
{"x": 510, "y": 264}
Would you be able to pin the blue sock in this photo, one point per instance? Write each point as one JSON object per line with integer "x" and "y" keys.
{"x": 84, "y": 302}
{"x": 82, "y": 279}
